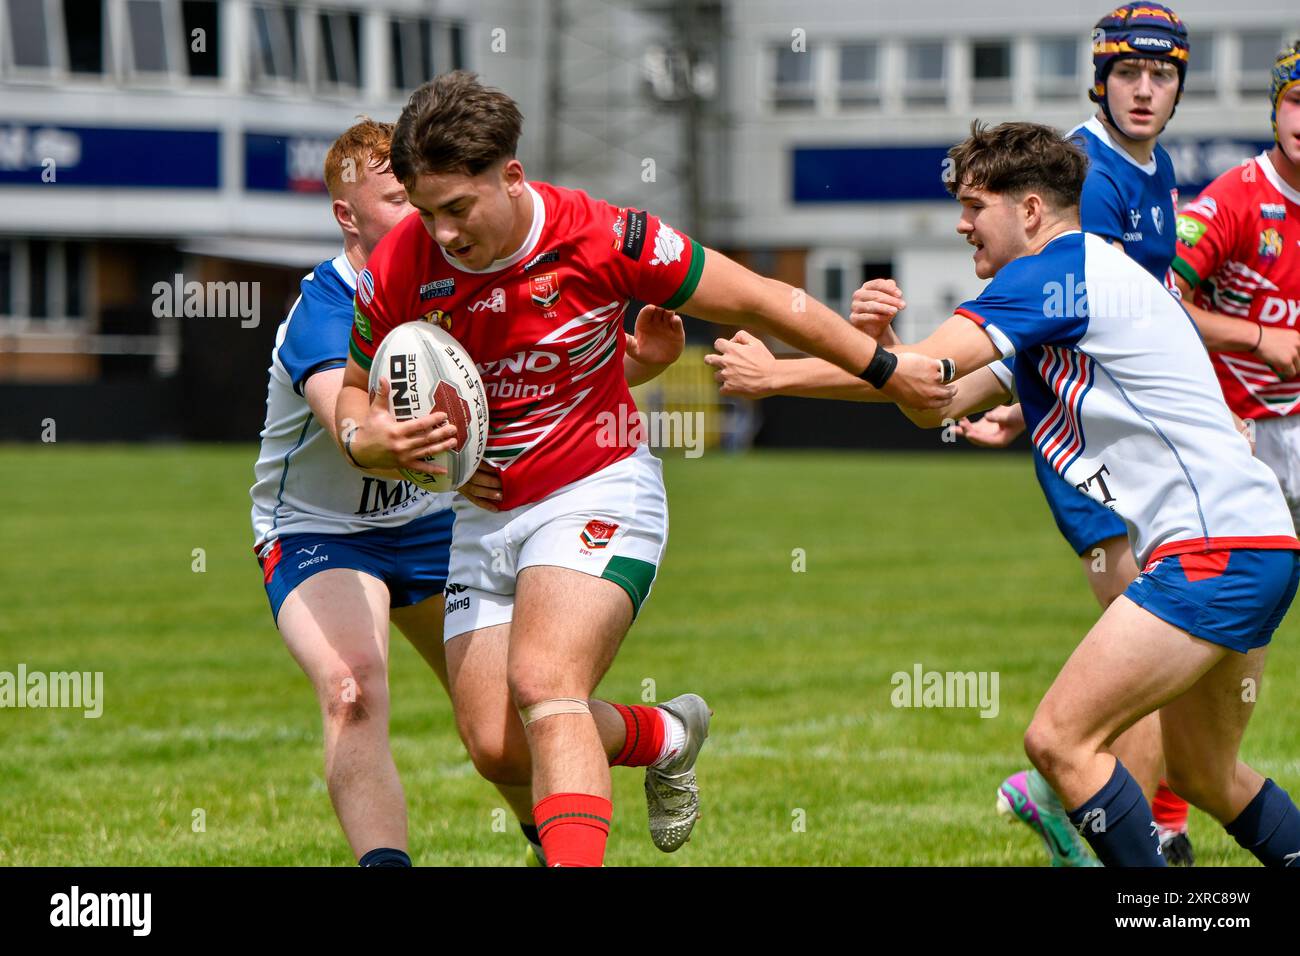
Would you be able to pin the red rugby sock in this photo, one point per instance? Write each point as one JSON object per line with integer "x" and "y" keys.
{"x": 573, "y": 828}
{"x": 1169, "y": 809}
{"x": 645, "y": 736}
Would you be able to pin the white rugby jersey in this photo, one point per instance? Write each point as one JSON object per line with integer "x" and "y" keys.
{"x": 303, "y": 483}
{"x": 1120, "y": 398}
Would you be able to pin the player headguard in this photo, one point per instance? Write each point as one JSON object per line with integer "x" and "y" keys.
{"x": 1286, "y": 74}
{"x": 1136, "y": 31}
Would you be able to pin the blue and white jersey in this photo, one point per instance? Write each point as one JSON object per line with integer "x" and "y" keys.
{"x": 1121, "y": 400}
{"x": 303, "y": 483}
{"x": 1130, "y": 202}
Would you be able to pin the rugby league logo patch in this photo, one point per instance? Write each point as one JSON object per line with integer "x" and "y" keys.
{"x": 597, "y": 534}
{"x": 545, "y": 289}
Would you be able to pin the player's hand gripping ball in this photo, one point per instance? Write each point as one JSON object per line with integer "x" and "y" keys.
{"x": 429, "y": 371}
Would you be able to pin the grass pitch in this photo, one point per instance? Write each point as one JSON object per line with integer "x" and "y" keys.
{"x": 948, "y": 561}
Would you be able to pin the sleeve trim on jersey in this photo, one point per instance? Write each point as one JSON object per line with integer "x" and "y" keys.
{"x": 1004, "y": 344}
{"x": 1184, "y": 269}
{"x": 360, "y": 357}
{"x": 1006, "y": 379}
{"x": 687, "y": 288}
{"x": 322, "y": 366}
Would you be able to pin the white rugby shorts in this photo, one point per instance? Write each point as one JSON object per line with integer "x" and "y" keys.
{"x": 1277, "y": 444}
{"x": 613, "y": 524}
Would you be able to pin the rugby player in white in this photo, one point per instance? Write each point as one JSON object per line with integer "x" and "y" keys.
{"x": 1123, "y": 403}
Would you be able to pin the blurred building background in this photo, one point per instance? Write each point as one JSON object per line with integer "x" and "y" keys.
{"x": 148, "y": 142}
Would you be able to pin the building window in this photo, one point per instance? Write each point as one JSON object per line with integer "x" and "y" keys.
{"x": 411, "y": 39}
{"x": 42, "y": 279}
{"x": 991, "y": 72}
{"x": 145, "y": 23}
{"x": 340, "y": 50}
{"x": 74, "y": 280}
{"x": 793, "y": 86}
{"x": 421, "y": 48}
{"x": 6, "y": 280}
{"x": 202, "y": 37}
{"x": 833, "y": 275}
{"x": 29, "y": 34}
{"x": 38, "y": 278}
{"x": 1058, "y": 69}
{"x": 924, "y": 73}
{"x": 84, "y": 21}
{"x": 833, "y": 288}
{"x": 1200, "y": 65}
{"x": 1258, "y": 51}
{"x": 859, "y": 74}
{"x": 275, "y": 46}
{"x": 455, "y": 32}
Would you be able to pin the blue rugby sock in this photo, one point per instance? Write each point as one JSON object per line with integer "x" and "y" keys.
{"x": 1269, "y": 827}
{"x": 1116, "y": 821}
{"x": 384, "y": 856}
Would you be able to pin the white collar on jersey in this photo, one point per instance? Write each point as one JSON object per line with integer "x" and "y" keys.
{"x": 1276, "y": 181}
{"x": 1098, "y": 129}
{"x": 530, "y": 242}
{"x": 345, "y": 270}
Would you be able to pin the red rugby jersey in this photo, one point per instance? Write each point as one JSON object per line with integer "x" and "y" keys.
{"x": 1239, "y": 247}
{"x": 544, "y": 326}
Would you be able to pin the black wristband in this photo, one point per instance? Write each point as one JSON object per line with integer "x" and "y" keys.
{"x": 881, "y": 366}
{"x": 1259, "y": 341}
{"x": 347, "y": 449}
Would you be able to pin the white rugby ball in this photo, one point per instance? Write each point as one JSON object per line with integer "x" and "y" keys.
{"x": 428, "y": 370}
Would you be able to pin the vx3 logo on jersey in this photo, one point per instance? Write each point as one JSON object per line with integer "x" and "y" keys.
{"x": 496, "y": 301}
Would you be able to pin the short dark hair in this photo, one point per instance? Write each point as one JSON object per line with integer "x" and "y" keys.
{"x": 454, "y": 123}
{"x": 1019, "y": 158}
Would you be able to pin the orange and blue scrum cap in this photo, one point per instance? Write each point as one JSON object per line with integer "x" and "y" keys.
{"x": 1137, "y": 31}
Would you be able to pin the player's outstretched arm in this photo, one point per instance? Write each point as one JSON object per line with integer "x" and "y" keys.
{"x": 730, "y": 294}
{"x": 322, "y": 393}
{"x": 745, "y": 367}
{"x": 656, "y": 343}
{"x": 372, "y": 438}
{"x": 960, "y": 340}
{"x": 1279, "y": 348}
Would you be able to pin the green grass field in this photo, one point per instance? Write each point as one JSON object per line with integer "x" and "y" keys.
{"x": 950, "y": 561}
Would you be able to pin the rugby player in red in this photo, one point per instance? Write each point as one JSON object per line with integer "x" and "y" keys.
{"x": 1239, "y": 249}
{"x": 352, "y": 567}
{"x": 534, "y": 281}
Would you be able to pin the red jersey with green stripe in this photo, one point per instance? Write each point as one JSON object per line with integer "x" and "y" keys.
{"x": 544, "y": 326}
{"x": 1239, "y": 247}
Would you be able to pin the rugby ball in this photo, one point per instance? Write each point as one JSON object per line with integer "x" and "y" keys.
{"x": 428, "y": 371}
